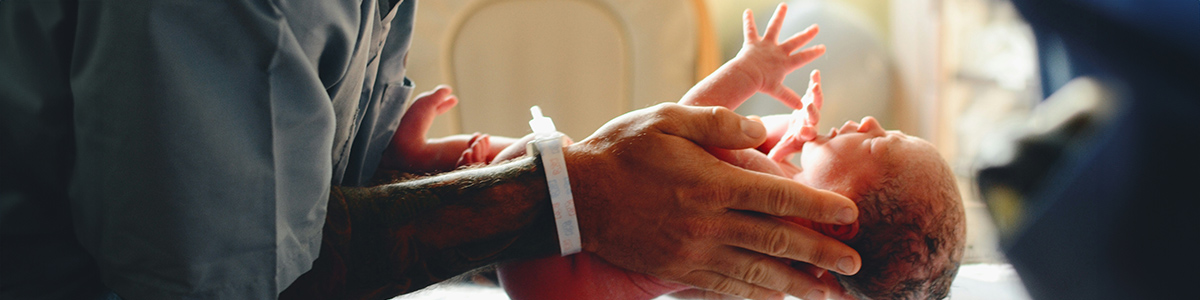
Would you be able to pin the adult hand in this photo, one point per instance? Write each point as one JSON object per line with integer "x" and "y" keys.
{"x": 650, "y": 199}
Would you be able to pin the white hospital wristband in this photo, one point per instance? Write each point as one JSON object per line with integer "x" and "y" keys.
{"x": 548, "y": 144}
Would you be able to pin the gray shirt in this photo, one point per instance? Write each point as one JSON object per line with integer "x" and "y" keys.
{"x": 168, "y": 149}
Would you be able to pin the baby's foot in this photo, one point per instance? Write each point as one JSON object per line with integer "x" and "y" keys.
{"x": 478, "y": 148}
{"x": 408, "y": 146}
{"x": 419, "y": 117}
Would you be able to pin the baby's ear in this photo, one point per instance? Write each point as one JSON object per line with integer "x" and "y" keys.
{"x": 840, "y": 232}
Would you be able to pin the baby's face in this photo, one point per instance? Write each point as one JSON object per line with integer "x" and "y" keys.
{"x": 850, "y": 157}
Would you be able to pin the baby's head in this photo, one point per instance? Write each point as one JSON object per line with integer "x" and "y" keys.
{"x": 911, "y": 226}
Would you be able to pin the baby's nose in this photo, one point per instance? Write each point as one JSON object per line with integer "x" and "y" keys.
{"x": 869, "y": 123}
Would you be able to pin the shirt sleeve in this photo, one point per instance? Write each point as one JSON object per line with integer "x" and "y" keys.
{"x": 203, "y": 136}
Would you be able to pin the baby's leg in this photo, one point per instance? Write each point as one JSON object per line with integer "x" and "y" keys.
{"x": 411, "y": 152}
{"x": 419, "y": 117}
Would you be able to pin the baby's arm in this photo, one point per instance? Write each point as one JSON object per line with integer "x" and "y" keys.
{"x": 760, "y": 66}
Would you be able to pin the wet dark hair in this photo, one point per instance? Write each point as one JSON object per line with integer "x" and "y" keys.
{"x": 911, "y": 233}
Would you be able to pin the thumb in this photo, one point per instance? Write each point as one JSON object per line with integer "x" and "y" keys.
{"x": 711, "y": 126}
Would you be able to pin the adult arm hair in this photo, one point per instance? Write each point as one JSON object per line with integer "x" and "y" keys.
{"x": 391, "y": 239}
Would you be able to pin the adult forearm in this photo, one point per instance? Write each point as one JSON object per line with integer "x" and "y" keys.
{"x": 397, "y": 238}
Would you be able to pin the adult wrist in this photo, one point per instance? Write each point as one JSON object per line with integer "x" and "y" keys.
{"x": 548, "y": 147}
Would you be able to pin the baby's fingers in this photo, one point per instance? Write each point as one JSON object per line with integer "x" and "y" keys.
{"x": 775, "y": 23}
{"x": 800, "y": 39}
{"x": 806, "y": 56}
{"x": 814, "y": 89}
{"x": 788, "y": 97}
{"x": 748, "y": 26}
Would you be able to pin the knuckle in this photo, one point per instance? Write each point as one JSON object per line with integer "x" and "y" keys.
{"x": 668, "y": 119}
{"x": 667, "y": 109}
{"x": 728, "y": 286}
{"x": 780, "y": 203}
{"x": 724, "y": 117}
{"x": 691, "y": 256}
{"x": 778, "y": 242}
{"x": 704, "y": 193}
{"x": 702, "y": 229}
{"x": 756, "y": 273}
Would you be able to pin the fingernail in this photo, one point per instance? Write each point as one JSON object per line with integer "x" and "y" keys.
{"x": 815, "y": 295}
{"x": 846, "y": 265}
{"x": 846, "y": 216}
{"x": 753, "y": 129}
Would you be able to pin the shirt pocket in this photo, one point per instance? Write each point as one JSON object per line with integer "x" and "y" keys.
{"x": 397, "y": 93}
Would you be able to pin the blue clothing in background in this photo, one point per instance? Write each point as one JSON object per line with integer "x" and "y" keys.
{"x": 165, "y": 149}
{"x": 1113, "y": 215}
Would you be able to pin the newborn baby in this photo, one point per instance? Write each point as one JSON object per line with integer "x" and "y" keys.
{"x": 910, "y": 230}
{"x": 911, "y": 227}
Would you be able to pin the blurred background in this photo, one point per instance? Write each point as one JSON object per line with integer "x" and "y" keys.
{"x": 948, "y": 71}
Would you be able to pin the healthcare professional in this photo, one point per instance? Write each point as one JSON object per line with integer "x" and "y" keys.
{"x": 1104, "y": 205}
{"x": 169, "y": 149}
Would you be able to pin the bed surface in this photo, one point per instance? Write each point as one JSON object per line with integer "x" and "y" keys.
{"x": 974, "y": 282}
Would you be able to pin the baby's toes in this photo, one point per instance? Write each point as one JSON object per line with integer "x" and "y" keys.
{"x": 477, "y": 150}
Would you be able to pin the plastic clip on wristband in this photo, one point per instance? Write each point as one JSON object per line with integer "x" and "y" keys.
{"x": 548, "y": 143}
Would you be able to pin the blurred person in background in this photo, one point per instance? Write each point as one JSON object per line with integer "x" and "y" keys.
{"x": 1097, "y": 200}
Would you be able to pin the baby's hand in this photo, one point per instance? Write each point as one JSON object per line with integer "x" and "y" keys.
{"x": 768, "y": 61}
{"x": 806, "y": 126}
{"x": 803, "y": 125}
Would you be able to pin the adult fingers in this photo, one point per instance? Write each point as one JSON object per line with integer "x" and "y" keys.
{"x": 775, "y": 23}
{"x": 810, "y": 269}
{"x": 711, "y": 126}
{"x": 779, "y": 238}
{"x": 785, "y": 198}
{"x": 800, "y": 38}
{"x": 719, "y": 283}
{"x": 766, "y": 271}
{"x": 806, "y": 56}
{"x": 748, "y": 27}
